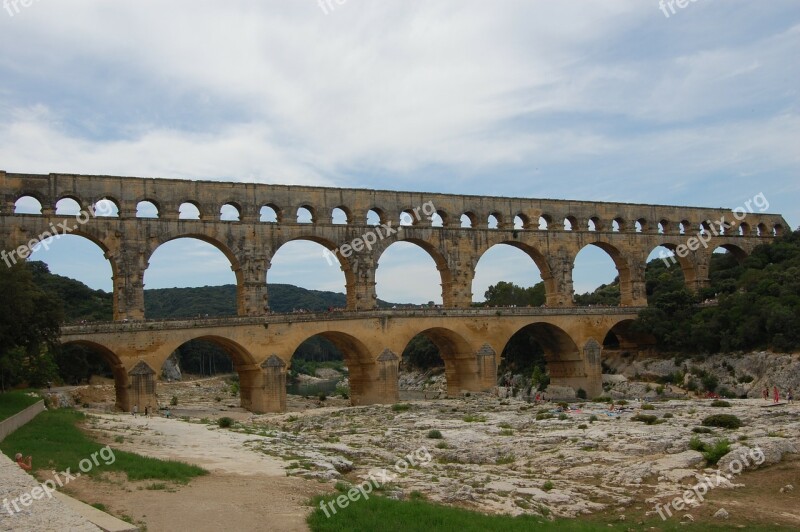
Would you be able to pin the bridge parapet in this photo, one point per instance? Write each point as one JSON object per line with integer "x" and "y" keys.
{"x": 310, "y": 317}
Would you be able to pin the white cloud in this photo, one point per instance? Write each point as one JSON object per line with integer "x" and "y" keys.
{"x": 582, "y": 99}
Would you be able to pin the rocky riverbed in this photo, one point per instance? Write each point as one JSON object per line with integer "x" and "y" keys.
{"x": 501, "y": 454}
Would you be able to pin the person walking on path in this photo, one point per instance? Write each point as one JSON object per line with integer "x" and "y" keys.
{"x": 134, "y": 410}
{"x": 789, "y": 396}
{"x": 765, "y": 393}
{"x": 776, "y": 396}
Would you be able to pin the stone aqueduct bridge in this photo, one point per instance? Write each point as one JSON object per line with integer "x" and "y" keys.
{"x": 469, "y": 340}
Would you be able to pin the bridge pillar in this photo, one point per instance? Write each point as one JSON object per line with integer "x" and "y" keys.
{"x": 251, "y": 296}
{"x": 122, "y": 401}
{"x": 129, "y": 266}
{"x": 457, "y": 292}
{"x": 463, "y": 372}
{"x": 376, "y": 383}
{"x": 142, "y": 387}
{"x": 263, "y": 389}
{"x": 558, "y": 281}
{"x": 634, "y": 293}
{"x": 487, "y": 368}
{"x": 360, "y": 277}
{"x": 580, "y": 373}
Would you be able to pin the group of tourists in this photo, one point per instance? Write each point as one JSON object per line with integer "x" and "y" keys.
{"x": 776, "y": 396}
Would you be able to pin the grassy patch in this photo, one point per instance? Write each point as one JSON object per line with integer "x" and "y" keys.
{"x": 418, "y": 515}
{"x": 435, "y": 434}
{"x": 401, "y": 407}
{"x": 55, "y": 442}
{"x": 719, "y": 403}
{"x": 15, "y": 402}
{"x": 474, "y": 418}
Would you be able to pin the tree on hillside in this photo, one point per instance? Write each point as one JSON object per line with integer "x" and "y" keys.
{"x": 758, "y": 304}
{"x": 505, "y": 294}
{"x": 29, "y": 328}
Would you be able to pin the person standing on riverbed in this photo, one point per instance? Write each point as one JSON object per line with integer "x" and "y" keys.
{"x": 765, "y": 393}
{"x": 776, "y": 396}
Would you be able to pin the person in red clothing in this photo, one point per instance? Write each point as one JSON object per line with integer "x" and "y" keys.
{"x": 26, "y": 465}
{"x": 776, "y": 397}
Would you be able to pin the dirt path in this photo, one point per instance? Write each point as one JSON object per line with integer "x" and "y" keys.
{"x": 246, "y": 490}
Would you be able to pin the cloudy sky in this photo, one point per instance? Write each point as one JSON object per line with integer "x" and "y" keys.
{"x": 611, "y": 101}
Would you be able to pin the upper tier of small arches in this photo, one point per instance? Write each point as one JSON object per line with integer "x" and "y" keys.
{"x": 56, "y": 194}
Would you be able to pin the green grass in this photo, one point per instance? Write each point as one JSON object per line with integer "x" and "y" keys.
{"x": 55, "y": 442}
{"x": 418, "y": 515}
{"x": 14, "y": 402}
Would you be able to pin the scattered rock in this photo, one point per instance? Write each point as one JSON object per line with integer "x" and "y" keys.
{"x": 722, "y": 513}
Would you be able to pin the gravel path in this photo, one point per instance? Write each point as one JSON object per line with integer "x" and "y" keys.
{"x": 44, "y": 514}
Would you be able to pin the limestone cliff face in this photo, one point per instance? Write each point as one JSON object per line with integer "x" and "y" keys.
{"x": 744, "y": 374}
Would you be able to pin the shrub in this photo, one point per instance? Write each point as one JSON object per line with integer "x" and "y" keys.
{"x": 668, "y": 415}
{"x": 434, "y": 434}
{"x": 647, "y": 406}
{"x": 322, "y": 396}
{"x": 601, "y": 399}
{"x": 645, "y": 418}
{"x": 720, "y": 403}
{"x": 547, "y": 486}
{"x": 225, "y": 422}
{"x": 583, "y": 426}
{"x": 343, "y": 391}
{"x": 622, "y": 402}
{"x": 724, "y": 392}
{"x": 543, "y": 415}
{"x": 442, "y": 445}
{"x": 702, "y": 430}
{"x": 710, "y": 382}
{"x": 725, "y": 421}
{"x": 473, "y": 418}
{"x": 562, "y": 416}
{"x": 592, "y": 418}
{"x": 696, "y": 444}
{"x": 713, "y": 453}
{"x": 401, "y": 407}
